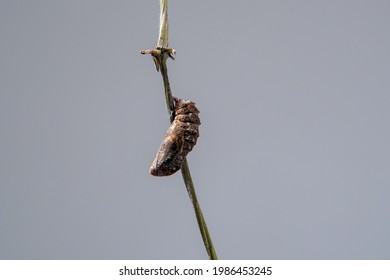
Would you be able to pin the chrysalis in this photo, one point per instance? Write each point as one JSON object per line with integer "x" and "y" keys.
{"x": 181, "y": 137}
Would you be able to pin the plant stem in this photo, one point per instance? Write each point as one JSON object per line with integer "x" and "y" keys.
{"x": 160, "y": 55}
{"x": 167, "y": 87}
{"x": 185, "y": 171}
{"x": 162, "y": 42}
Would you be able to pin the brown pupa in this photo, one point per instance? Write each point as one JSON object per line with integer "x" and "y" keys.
{"x": 181, "y": 137}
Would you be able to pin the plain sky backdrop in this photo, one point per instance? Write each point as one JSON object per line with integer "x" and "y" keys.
{"x": 293, "y": 159}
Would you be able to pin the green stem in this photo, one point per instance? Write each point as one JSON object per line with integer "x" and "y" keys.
{"x": 167, "y": 86}
{"x": 160, "y": 55}
{"x": 185, "y": 170}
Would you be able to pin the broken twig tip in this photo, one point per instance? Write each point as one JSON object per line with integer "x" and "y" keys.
{"x": 146, "y": 51}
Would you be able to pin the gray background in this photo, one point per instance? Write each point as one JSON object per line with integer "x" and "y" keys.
{"x": 293, "y": 161}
